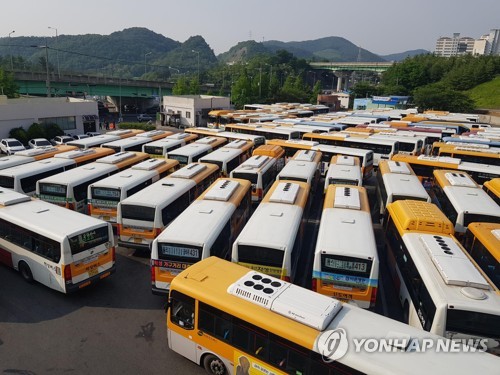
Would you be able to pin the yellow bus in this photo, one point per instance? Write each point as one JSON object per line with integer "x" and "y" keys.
{"x": 492, "y": 188}
{"x": 304, "y": 167}
{"x": 346, "y": 264}
{"x": 58, "y": 248}
{"x": 229, "y": 156}
{"x": 482, "y": 241}
{"x": 32, "y": 154}
{"x": 271, "y": 241}
{"x": 261, "y": 169}
{"x": 382, "y": 148}
{"x": 343, "y": 170}
{"x": 206, "y": 227}
{"x": 473, "y": 154}
{"x": 440, "y": 288}
{"x": 216, "y": 118}
{"x": 193, "y": 151}
{"x": 424, "y": 167}
{"x": 462, "y": 200}
{"x": 142, "y": 216}
{"x": 105, "y": 194}
{"x": 159, "y": 148}
{"x": 69, "y": 188}
{"x": 231, "y": 320}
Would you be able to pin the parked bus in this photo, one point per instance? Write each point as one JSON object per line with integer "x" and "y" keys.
{"x": 125, "y": 133}
{"x": 194, "y": 151}
{"x": 137, "y": 142}
{"x": 266, "y": 132}
{"x": 207, "y": 227}
{"x": 160, "y": 148}
{"x": 482, "y": 241}
{"x": 261, "y": 169}
{"x": 271, "y": 240}
{"x": 346, "y": 264}
{"x": 23, "y": 178}
{"x": 396, "y": 181}
{"x": 230, "y": 320}
{"x": 142, "y": 216}
{"x": 69, "y": 189}
{"x": 215, "y": 118}
{"x": 32, "y": 154}
{"x": 462, "y": 200}
{"x": 303, "y": 166}
{"x": 383, "y": 149}
{"x": 473, "y": 154}
{"x": 492, "y": 188}
{"x": 343, "y": 170}
{"x": 60, "y": 249}
{"x": 440, "y": 288}
{"x": 232, "y": 136}
{"x": 424, "y": 167}
{"x": 104, "y": 195}
{"x": 93, "y": 141}
{"x": 229, "y": 156}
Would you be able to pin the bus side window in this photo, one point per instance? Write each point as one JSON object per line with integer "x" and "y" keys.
{"x": 182, "y": 311}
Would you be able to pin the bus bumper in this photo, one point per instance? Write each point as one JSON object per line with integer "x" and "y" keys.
{"x": 136, "y": 246}
{"x": 159, "y": 292}
{"x": 72, "y": 288}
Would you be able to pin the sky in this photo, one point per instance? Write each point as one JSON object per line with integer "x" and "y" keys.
{"x": 381, "y": 26}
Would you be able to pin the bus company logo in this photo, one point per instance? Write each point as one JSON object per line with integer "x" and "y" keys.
{"x": 333, "y": 344}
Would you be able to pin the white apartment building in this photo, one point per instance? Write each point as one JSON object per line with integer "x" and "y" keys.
{"x": 190, "y": 110}
{"x": 488, "y": 44}
{"x": 74, "y": 116}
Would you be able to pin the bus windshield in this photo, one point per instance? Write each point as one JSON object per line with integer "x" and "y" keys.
{"x": 252, "y": 177}
{"x": 88, "y": 240}
{"x": 133, "y": 212}
{"x": 473, "y": 323}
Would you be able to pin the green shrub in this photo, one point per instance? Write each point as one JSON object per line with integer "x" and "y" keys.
{"x": 135, "y": 125}
{"x": 20, "y": 134}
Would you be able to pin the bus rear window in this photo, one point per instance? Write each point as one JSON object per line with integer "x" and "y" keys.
{"x": 108, "y": 194}
{"x": 473, "y": 323}
{"x": 474, "y": 218}
{"x": 7, "y": 182}
{"x": 252, "y": 177}
{"x": 57, "y": 190}
{"x": 153, "y": 150}
{"x": 134, "y": 212}
{"x": 183, "y": 160}
{"x": 346, "y": 265}
{"x": 88, "y": 240}
{"x": 260, "y": 255}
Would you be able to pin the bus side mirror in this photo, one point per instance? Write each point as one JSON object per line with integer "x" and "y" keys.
{"x": 167, "y": 305}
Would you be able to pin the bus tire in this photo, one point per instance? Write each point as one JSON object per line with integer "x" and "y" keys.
{"x": 25, "y": 271}
{"x": 213, "y": 365}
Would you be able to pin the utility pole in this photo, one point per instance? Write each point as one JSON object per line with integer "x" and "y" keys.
{"x": 57, "y": 52}
{"x": 10, "y": 52}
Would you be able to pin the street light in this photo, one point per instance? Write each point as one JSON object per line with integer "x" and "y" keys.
{"x": 145, "y": 66}
{"x": 177, "y": 70}
{"x": 198, "y": 52}
{"x": 57, "y": 52}
{"x": 47, "y": 82}
{"x": 10, "y": 51}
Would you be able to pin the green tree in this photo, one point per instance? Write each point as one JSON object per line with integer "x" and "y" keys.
{"x": 36, "y": 131}
{"x": 441, "y": 97}
{"x": 315, "y": 92}
{"x": 181, "y": 86}
{"x": 52, "y": 130}
{"x": 7, "y": 85}
{"x": 20, "y": 134}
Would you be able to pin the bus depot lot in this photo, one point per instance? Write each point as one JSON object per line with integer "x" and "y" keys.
{"x": 118, "y": 326}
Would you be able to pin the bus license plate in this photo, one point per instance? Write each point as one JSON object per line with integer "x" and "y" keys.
{"x": 137, "y": 240}
{"x": 106, "y": 218}
{"x": 93, "y": 272}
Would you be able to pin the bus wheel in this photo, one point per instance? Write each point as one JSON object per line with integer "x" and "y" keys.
{"x": 214, "y": 365}
{"x": 25, "y": 272}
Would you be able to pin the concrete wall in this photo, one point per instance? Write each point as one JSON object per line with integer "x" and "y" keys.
{"x": 191, "y": 107}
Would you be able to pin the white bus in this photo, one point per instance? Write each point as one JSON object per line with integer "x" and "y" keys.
{"x": 229, "y": 156}
{"x": 257, "y": 140}
{"x": 440, "y": 288}
{"x": 32, "y": 154}
{"x": 396, "y": 180}
{"x": 346, "y": 263}
{"x": 194, "y": 151}
{"x": 136, "y": 142}
{"x": 60, "y": 249}
{"x": 69, "y": 188}
{"x": 142, "y": 216}
{"x": 23, "y": 178}
{"x": 104, "y": 195}
{"x": 303, "y": 166}
{"x": 159, "y": 148}
{"x": 462, "y": 200}
{"x": 345, "y": 170}
{"x": 271, "y": 240}
{"x": 93, "y": 141}
{"x": 207, "y": 227}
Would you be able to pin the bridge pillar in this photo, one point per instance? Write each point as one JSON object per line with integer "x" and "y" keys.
{"x": 339, "y": 83}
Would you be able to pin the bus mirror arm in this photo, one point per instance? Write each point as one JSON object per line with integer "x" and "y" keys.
{"x": 167, "y": 305}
